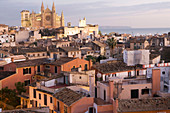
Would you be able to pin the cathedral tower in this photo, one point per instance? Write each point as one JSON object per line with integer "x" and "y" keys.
{"x": 42, "y": 15}
{"x": 62, "y": 19}
{"x": 53, "y": 16}
{"x": 25, "y": 18}
{"x": 33, "y": 19}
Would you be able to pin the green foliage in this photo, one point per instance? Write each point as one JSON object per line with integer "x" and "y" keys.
{"x": 100, "y": 33}
{"x": 9, "y": 96}
{"x": 111, "y": 43}
{"x": 90, "y": 57}
{"x": 20, "y": 87}
{"x": 95, "y": 59}
{"x": 100, "y": 58}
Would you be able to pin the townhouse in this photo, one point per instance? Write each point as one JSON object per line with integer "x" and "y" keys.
{"x": 118, "y": 69}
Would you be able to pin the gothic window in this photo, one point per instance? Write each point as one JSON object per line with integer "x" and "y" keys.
{"x": 48, "y": 18}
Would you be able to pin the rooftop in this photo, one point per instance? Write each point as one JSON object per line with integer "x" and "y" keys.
{"x": 99, "y": 44}
{"x": 149, "y": 104}
{"x": 139, "y": 40}
{"x": 5, "y": 74}
{"x": 28, "y": 63}
{"x": 68, "y": 49}
{"x": 116, "y": 66}
{"x": 99, "y": 101}
{"x": 19, "y": 50}
{"x": 67, "y": 96}
{"x": 62, "y": 60}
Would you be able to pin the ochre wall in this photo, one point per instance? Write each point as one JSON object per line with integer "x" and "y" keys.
{"x": 18, "y": 77}
{"x": 82, "y": 105}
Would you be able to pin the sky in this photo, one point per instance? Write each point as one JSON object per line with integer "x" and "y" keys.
{"x": 133, "y": 13}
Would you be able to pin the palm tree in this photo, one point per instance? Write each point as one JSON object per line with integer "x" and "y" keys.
{"x": 111, "y": 43}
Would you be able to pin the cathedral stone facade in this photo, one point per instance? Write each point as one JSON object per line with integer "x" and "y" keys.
{"x": 45, "y": 19}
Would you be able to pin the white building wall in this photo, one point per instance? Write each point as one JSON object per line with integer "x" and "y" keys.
{"x": 133, "y": 57}
{"x": 22, "y": 36}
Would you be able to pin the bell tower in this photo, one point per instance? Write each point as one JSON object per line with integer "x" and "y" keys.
{"x": 42, "y": 15}
{"x": 25, "y": 18}
{"x": 53, "y": 16}
{"x": 62, "y": 19}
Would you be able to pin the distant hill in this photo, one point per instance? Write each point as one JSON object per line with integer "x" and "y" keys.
{"x": 114, "y": 27}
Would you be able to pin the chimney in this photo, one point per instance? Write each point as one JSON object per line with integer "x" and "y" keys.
{"x": 17, "y": 49}
{"x": 90, "y": 64}
{"x": 12, "y": 59}
{"x": 156, "y": 79}
{"x": 47, "y": 48}
{"x": 111, "y": 90}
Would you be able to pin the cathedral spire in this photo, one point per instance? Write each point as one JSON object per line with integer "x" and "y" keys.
{"x": 62, "y": 15}
{"x": 42, "y": 5}
{"x": 53, "y": 8}
{"x": 42, "y": 8}
{"x": 62, "y": 19}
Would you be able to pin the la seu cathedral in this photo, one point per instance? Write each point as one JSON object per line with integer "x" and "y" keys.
{"x": 45, "y": 19}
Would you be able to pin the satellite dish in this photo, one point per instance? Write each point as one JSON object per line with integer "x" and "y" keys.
{"x": 99, "y": 75}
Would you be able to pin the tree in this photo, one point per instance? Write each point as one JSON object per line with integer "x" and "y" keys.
{"x": 111, "y": 43}
{"x": 20, "y": 87}
{"x": 100, "y": 33}
{"x": 9, "y": 97}
{"x": 100, "y": 58}
{"x": 90, "y": 57}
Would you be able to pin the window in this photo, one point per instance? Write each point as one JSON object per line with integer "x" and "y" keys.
{"x": 138, "y": 73}
{"x": 145, "y": 91}
{"x": 80, "y": 77}
{"x": 33, "y": 55}
{"x": 43, "y": 54}
{"x": 45, "y": 99}
{"x": 92, "y": 110}
{"x": 34, "y": 93}
{"x": 38, "y": 55}
{"x": 115, "y": 75}
{"x": 135, "y": 93}
{"x": 47, "y": 67}
{"x": 74, "y": 67}
{"x": 104, "y": 94}
{"x": 95, "y": 92}
{"x": 85, "y": 68}
{"x": 39, "y": 96}
{"x": 38, "y": 68}
{"x": 60, "y": 53}
{"x": 58, "y": 106}
{"x": 36, "y": 103}
{"x": 55, "y": 69}
{"x": 26, "y": 71}
{"x": 65, "y": 109}
{"x": 80, "y": 66}
{"x": 51, "y": 100}
{"x": 129, "y": 74}
{"x": 163, "y": 72}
